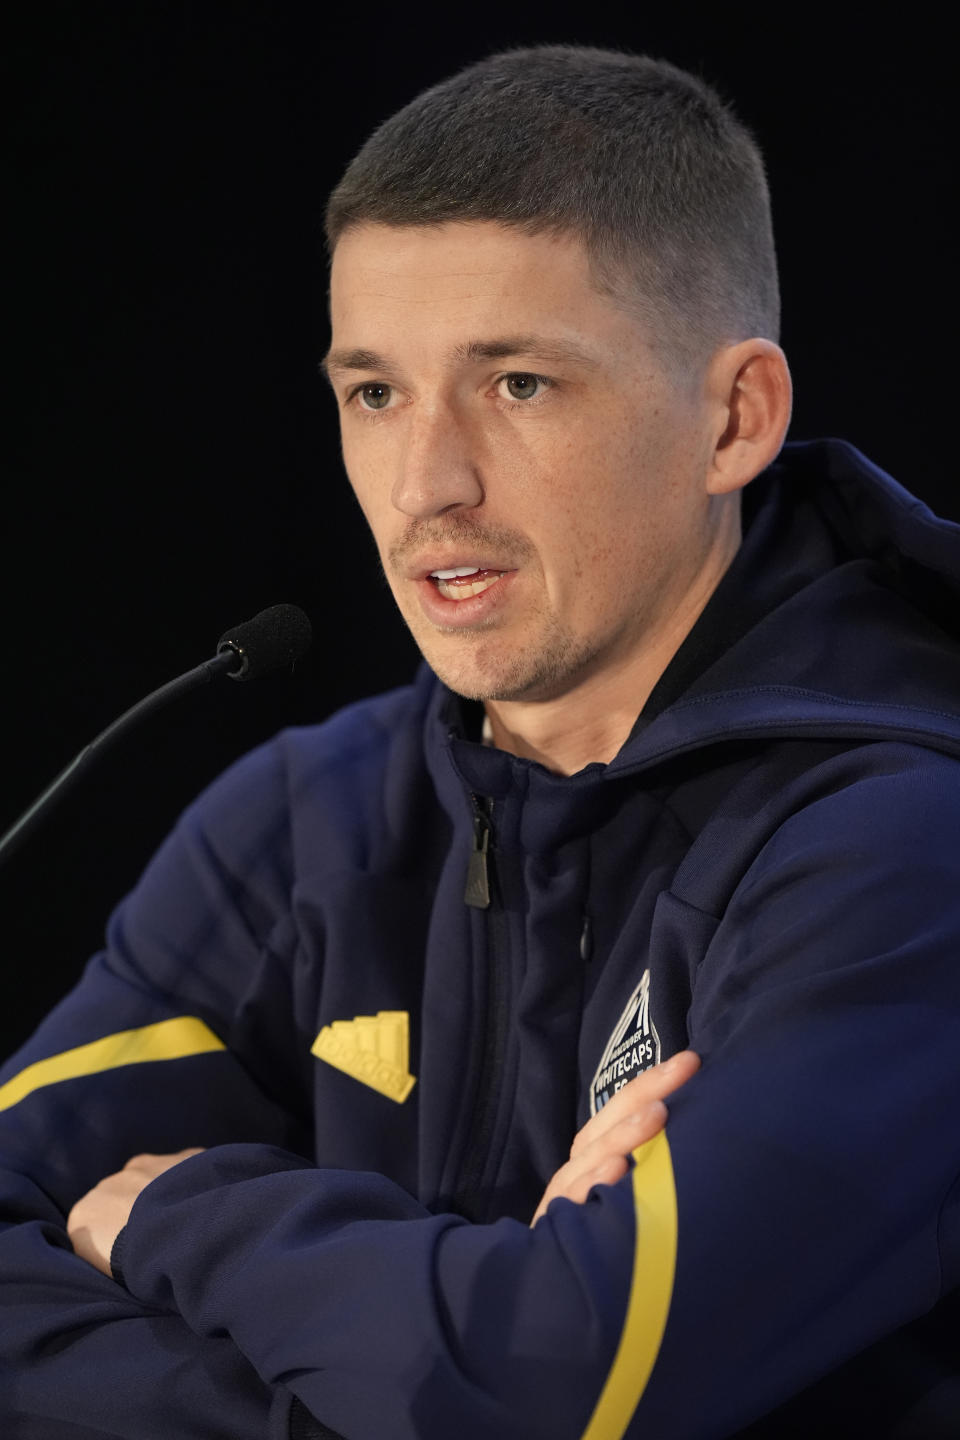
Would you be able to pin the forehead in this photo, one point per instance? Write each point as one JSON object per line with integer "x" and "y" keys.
{"x": 458, "y": 280}
{"x": 456, "y": 256}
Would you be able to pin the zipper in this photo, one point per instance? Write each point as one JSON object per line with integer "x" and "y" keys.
{"x": 481, "y": 894}
{"x": 477, "y": 892}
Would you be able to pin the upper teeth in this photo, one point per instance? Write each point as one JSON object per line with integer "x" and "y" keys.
{"x": 454, "y": 574}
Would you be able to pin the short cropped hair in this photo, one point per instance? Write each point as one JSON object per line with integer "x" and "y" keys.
{"x": 642, "y": 161}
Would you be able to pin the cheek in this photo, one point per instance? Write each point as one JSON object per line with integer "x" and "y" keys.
{"x": 615, "y": 527}
{"x": 595, "y": 503}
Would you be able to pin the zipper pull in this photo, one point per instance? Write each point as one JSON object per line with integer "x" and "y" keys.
{"x": 477, "y": 891}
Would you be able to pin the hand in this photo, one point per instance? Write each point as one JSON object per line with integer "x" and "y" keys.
{"x": 598, "y": 1155}
{"x": 98, "y": 1217}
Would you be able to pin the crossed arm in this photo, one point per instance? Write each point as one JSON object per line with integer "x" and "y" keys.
{"x": 600, "y": 1155}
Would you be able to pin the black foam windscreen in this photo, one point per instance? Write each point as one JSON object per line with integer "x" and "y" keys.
{"x": 276, "y": 637}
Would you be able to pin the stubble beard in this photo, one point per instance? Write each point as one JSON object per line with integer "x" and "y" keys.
{"x": 491, "y": 666}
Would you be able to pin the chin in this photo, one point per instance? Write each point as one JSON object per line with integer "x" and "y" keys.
{"x": 522, "y": 675}
{"x": 470, "y": 681}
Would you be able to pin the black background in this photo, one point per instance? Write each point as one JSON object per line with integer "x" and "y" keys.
{"x": 172, "y": 457}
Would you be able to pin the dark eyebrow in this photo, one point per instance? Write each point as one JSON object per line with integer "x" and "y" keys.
{"x": 352, "y": 360}
{"x": 537, "y": 347}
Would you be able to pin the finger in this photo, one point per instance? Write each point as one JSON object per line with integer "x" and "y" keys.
{"x": 604, "y": 1160}
{"x": 154, "y": 1165}
{"x": 654, "y": 1084}
{"x": 622, "y": 1137}
{"x": 577, "y": 1183}
{"x": 95, "y": 1220}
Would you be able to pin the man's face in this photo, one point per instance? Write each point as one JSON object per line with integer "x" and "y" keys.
{"x": 533, "y": 478}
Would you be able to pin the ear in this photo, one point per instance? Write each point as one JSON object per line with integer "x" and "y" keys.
{"x": 748, "y": 386}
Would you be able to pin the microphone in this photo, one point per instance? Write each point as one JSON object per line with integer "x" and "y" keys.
{"x": 273, "y": 639}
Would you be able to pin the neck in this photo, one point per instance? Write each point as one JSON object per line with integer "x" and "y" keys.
{"x": 590, "y": 722}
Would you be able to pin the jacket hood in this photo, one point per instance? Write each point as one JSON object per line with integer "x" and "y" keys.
{"x": 850, "y": 589}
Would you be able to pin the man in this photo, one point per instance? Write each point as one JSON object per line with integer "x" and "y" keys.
{"x": 681, "y": 771}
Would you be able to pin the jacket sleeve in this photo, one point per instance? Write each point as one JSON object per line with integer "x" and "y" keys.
{"x": 804, "y": 1205}
{"x": 161, "y": 1045}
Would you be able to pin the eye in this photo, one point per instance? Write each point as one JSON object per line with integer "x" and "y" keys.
{"x": 521, "y": 386}
{"x": 374, "y": 396}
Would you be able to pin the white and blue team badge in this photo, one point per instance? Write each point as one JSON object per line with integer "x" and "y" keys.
{"x": 632, "y": 1048}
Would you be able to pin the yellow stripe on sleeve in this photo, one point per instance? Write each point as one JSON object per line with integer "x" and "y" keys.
{"x": 651, "y": 1288}
{"x": 166, "y": 1040}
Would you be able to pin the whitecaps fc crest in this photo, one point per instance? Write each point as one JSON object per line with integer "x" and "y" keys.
{"x": 632, "y": 1048}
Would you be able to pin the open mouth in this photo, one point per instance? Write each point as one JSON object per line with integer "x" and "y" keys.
{"x": 464, "y": 581}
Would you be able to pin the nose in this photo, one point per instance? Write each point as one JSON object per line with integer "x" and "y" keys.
{"x": 438, "y": 465}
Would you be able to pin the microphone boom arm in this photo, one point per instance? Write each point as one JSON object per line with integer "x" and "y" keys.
{"x": 275, "y": 637}
{"x": 224, "y": 662}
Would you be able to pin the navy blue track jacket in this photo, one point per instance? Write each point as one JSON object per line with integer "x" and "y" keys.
{"x": 386, "y": 1076}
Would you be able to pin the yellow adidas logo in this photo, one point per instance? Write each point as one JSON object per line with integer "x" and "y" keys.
{"x": 374, "y": 1049}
